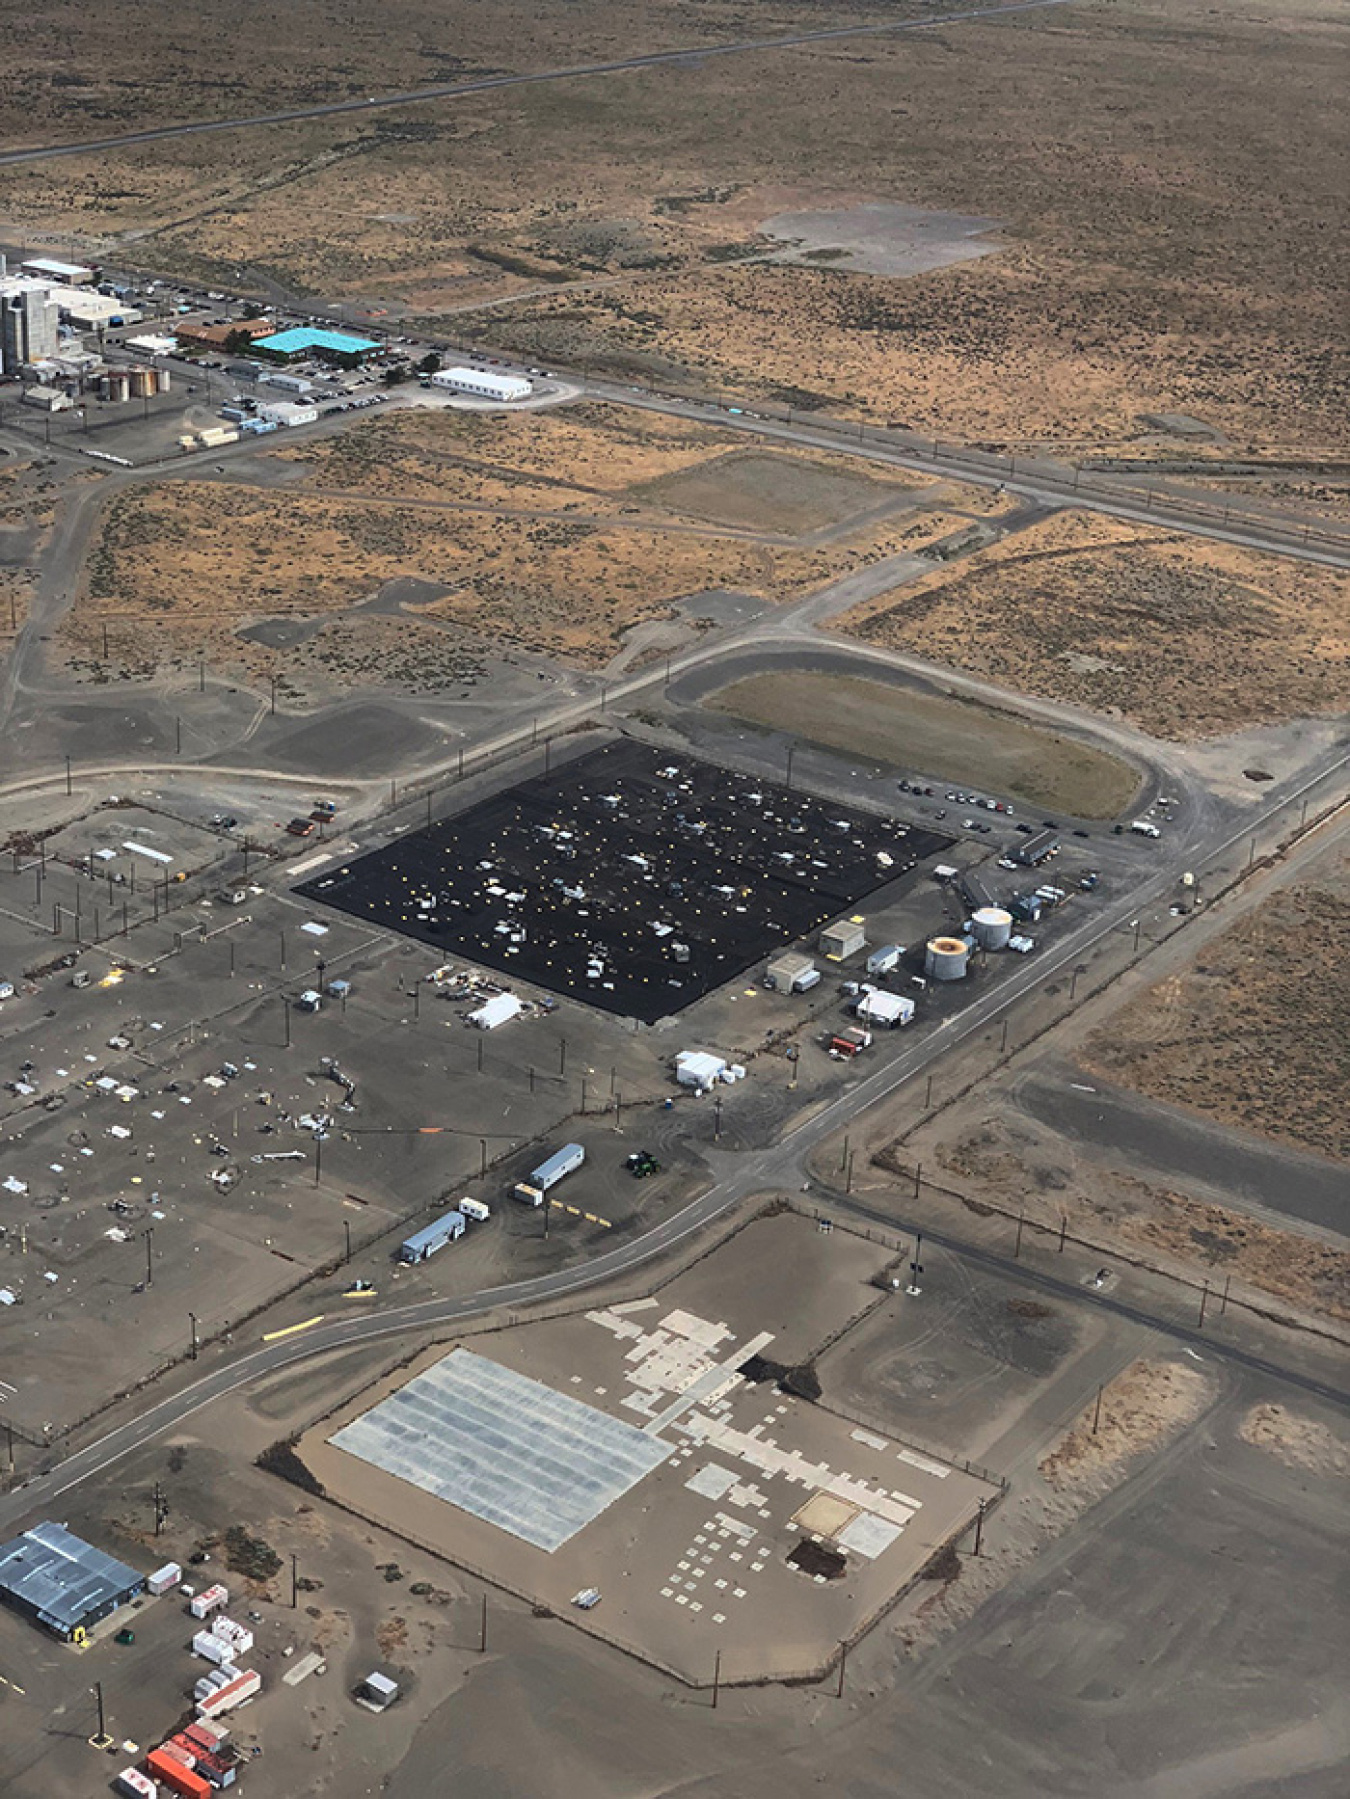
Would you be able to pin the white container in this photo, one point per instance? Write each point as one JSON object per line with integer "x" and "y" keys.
{"x": 164, "y": 1578}
{"x": 210, "y": 1599}
{"x": 136, "y": 1785}
{"x": 237, "y": 1638}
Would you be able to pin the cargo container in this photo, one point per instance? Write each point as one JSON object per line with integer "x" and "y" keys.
{"x": 424, "y": 1243}
{"x": 164, "y": 1578}
{"x": 850, "y": 1042}
{"x": 212, "y": 1737}
{"x": 212, "y": 1766}
{"x": 244, "y": 1685}
{"x": 475, "y": 1209}
{"x": 210, "y": 1647}
{"x": 236, "y": 1637}
{"x": 175, "y": 1776}
{"x": 210, "y": 1599}
{"x": 531, "y": 1192}
{"x": 884, "y": 960}
{"x": 135, "y": 1785}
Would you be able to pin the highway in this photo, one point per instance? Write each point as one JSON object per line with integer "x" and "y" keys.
{"x": 486, "y": 84}
{"x": 735, "y": 1177}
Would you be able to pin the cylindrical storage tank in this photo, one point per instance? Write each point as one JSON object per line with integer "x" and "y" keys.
{"x": 142, "y": 382}
{"x": 992, "y": 926}
{"x": 120, "y": 386}
{"x": 945, "y": 958}
{"x": 104, "y": 388}
{"x": 162, "y": 380}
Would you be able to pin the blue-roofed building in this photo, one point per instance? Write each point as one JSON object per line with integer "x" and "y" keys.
{"x": 61, "y": 1581}
{"x": 308, "y": 340}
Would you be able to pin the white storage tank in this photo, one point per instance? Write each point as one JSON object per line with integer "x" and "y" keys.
{"x": 992, "y": 927}
{"x": 946, "y": 958}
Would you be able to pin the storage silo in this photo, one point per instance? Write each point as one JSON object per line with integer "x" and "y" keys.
{"x": 992, "y": 926}
{"x": 162, "y": 380}
{"x": 945, "y": 958}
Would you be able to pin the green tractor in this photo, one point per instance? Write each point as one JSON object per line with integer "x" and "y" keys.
{"x": 642, "y": 1163}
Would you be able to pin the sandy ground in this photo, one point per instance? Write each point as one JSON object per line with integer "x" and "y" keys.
{"x": 1300, "y": 1442}
{"x": 1183, "y": 638}
{"x": 1258, "y": 1035}
{"x": 920, "y": 731}
{"x": 398, "y": 554}
{"x": 1129, "y": 286}
{"x": 1140, "y": 1409}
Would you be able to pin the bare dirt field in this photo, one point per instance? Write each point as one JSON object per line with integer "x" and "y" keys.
{"x": 616, "y": 218}
{"x": 1187, "y": 639}
{"x": 1300, "y": 1442}
{"x": 1258, "y": 1033}
{"x": 400, "y": 552}
{"x": 77, "y": 71}
{"x": 912, "y": 729}
{"x": 1140, "y": 1409}
{"x": 769, "y": 491}
{"x": 762, "y": 1526}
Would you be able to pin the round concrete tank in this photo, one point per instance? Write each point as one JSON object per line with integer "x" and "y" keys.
{"x": 993, "y": 927}
{"x": 945, "y": 958}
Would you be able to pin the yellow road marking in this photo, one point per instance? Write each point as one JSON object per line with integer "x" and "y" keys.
{"x": 291, "y": 1329}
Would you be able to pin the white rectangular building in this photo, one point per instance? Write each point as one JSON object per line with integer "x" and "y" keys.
{"x": 479, "y": 384}
{"x": 287, "y": 413}
{"x": 47, "y": 268}
{"x": 500, "y": 1009}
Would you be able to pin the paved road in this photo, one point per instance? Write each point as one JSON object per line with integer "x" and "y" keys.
{"x": 734, "y": 1178}
{"x": 491, "y": 83}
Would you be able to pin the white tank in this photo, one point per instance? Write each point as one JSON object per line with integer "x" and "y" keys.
{"x": 162, "y": 380}
{"x": 945, "y": 958}
{"x": 993, "y": 927}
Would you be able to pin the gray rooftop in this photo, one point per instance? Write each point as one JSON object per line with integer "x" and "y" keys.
{"x": 509, "y": 1449}
{"x": 60, "y": 1576}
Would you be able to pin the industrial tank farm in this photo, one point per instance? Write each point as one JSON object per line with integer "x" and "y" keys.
{"x": 633, "y": 879}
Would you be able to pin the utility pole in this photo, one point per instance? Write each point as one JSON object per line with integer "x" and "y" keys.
{"x": 192, "y": 1322}
{"x": 295, "y": 1583}
{"x": 717, "y": 1678}
{"x": 287, "y": 1004}
{"x": 318, "y": 1157}
{"x": 97, "y": 1690}
{"x": 915, "y": 1267}
{"x": 562, "y": 1058}
{"x": 1097, "y": 1413}
{"x": 347, "y": 1230}
{"x": 149, "y": 1234}
{"x": 979, "y": 1526}
{"x": 482, "y": 1629}
{"x": 843, "y": 1662}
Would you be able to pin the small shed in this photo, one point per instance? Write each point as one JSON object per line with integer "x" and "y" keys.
{"x": 791, "y": 972}
{"x": 885, "y": 1009}
{"x": 378, "y": 1691}
{"x": 840, "y": 941}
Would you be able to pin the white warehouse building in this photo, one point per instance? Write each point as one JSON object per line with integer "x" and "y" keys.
{"x": 483, "y": 386}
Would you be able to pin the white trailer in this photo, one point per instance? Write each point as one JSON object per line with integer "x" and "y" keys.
{"x": 531, "y": 1192}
